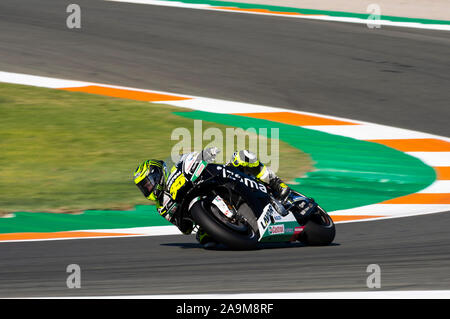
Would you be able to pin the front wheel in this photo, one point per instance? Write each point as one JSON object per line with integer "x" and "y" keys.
{"x": 235, "y": 236}
{"x": 319, "y": 230}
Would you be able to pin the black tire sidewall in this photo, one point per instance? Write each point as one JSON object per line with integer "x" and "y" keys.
{"x": 218, "y": 231}
{"x": 319, "y": 235}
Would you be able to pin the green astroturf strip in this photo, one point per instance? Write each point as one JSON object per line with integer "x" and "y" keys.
{"x": 141, "y": 216}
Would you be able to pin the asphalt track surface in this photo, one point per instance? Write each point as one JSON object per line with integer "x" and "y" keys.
{"x": 392, "y": 76}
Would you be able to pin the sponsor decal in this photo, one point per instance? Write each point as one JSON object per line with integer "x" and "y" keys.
{"x": 176, "y": 185}
{"x": 201, "y": 166}
{"x": 297, "y": 232}
{"x": 246, "y": 181}
{"x": 222, "y": 206}
{"x": 276, "y": 229}
{"x": 266, "y": 216}
{"x": 265, "y": 219}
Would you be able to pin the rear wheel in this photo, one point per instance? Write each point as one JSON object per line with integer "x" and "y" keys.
{"x": 319, "y": 230}
{"x": 234, "y": 234}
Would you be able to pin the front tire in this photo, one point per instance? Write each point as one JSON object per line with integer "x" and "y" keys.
{"x": 233, "y": 239}
{"x": 319, "y": 230}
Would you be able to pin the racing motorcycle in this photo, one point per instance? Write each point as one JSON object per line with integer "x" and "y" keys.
{"x": 240, "y": 212}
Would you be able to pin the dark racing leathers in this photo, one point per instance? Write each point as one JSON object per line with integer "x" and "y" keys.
{"x": 244, "y": 160}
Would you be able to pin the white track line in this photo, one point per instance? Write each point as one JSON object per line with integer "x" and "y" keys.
{"x": 438, "y": 187}
{"x": 41, "y": 81}
{"x": 433, "y": 158}
{"x": 221, "y": 106}
{"x": 140, "y": 231}
{"x": 370, "y": 131}
{"x": 393, "y": 210}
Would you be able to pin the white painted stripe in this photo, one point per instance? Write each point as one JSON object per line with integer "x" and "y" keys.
{"x": 53, "y": 83}
{"x": 146, "y": 231}
{"x": 369, "y": 131}
{"x": 65, "y": 238}
{"x": 167, "y": 3}
{"x": 40, "y": 81}
{"x": 311, "y": 17}
{"x": 394, "y": 210}
{"x": 432, "y": 158}
{"x": 221, "y": 106}
{"x": 438, "y": 187}
{"x": 124, "y": 232}
{"x": 383, "y": 294}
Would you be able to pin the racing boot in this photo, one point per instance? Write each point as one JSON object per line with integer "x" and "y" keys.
{"x": 281, "y": 190}
{"x": 204, "y": 239}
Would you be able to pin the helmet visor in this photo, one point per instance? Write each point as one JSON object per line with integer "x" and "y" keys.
{"x": 147, "y": 185}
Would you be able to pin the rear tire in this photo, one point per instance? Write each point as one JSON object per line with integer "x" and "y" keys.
{"x": 319, "y": 230}
{"x": 219, "y": 232}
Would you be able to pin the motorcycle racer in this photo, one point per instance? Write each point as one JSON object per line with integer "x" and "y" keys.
{"x": 165, "y": 188}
